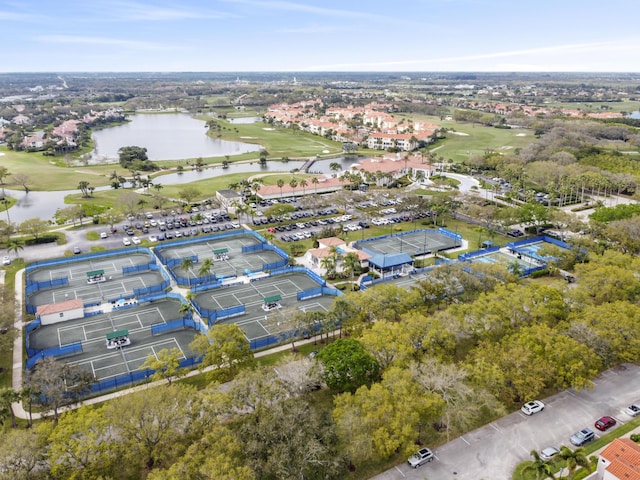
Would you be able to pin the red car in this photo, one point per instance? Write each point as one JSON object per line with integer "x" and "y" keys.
{"x": 605, "y": 423}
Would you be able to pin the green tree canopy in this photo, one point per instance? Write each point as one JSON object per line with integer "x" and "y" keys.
{"x": 347, "y": 365}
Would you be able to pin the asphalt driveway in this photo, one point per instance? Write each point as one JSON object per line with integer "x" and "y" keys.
{"x": 493, "y": 451}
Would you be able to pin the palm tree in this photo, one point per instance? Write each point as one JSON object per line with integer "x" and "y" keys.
{"x": 350, "y": 263}
{"x": 303, "y": 184}
{"x": 329, "y": 264}
{"x": 186, "y": 264}
{"x": 280, "y": 184}
{"x": 186, "y": 308}
{"x": 293, "y": 184}
{"x": 15, "y": 246}
{"x": 574, "y": 459}
{"x": 540, "y": 467}
{"x": 5, "y": 201}
{"x": 27, "y": 394}
{"x": 206, "y": 267}
{"x": 334, "y": 167}
{"x": 315, "y": 182}
{"x": 7, "y": 397}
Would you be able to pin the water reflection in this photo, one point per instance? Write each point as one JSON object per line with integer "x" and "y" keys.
{"x": 175, "y": 136}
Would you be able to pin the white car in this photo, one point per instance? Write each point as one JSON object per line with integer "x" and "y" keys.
{"x": 422, "y": 456}
{"x": 135, "y": 240}
{"x": 631, "y": 410}
{"x": 104, "y": 235}
{"x": 6, "y": 260}
{"x": 532, "y": 407}
{"x": 126, "y": 242}
{"x": 153, "y": 238}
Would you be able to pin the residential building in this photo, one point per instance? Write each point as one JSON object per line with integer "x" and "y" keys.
{"x": 619, "y": 461}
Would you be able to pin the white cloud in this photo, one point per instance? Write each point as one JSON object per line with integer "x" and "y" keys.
{"x": 134, "y": 11}
{"x": 75, "y": 39}
{"x": 297, "y": 7}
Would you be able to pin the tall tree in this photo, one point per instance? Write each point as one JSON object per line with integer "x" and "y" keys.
{"x": 224, "y": 347}
{"x": 165, "y": 364}
{"x": 541, "y": 468}
{"x": 386, "y": 417}
{"x": 83, "y": 445}
{"x": 573, "y": 458}
{"x": 153, "y": 425}
{"x": 280, "y": 184}
{"x": 347, "y": 365}
{"x": 59, "y": 383}
{"x": 33, "y": 226}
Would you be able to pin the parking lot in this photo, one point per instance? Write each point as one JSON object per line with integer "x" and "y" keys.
{"x": 493, "y": 451}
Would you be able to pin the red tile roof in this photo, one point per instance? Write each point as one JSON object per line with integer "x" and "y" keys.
{"x": 60, "y": 307}
{"x": 624, "y": 455}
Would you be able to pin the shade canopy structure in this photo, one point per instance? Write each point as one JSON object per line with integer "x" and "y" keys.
{"x": 272, "y": 299}
{"x": 117, "y": 334}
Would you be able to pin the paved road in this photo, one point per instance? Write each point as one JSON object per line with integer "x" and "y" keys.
{"x": 493, "y": 451}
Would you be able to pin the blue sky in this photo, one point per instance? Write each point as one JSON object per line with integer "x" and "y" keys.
{"x": 319, "y": 35}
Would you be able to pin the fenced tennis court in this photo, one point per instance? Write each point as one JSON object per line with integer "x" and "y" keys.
{"x": 259, "y": 323}
{"x": 124, "y": 274}
{"x": 91, "y": 332}
{"x": 214, "y": 258}
{"x": 414, "y": 243}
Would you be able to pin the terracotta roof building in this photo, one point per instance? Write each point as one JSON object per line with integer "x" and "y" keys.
{"x": 620, "y": 461}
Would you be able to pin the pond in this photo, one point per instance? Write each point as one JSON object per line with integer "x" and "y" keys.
{"x": 175, "y": 136}
{"x": 44, "y": 204}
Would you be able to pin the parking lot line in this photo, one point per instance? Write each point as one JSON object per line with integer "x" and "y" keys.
{"x": 400, "y": 472}
{"x": 463, "y": 439}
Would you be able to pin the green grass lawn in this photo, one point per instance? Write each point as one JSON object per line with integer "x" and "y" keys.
{"x": 474, "y": 139}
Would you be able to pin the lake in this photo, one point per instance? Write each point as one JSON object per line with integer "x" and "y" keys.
{"x": 175, "y": 136}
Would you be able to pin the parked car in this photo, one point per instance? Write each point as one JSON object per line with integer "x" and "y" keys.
{"x": 548, "y": 453}
{"x": 126, "y": 242}
{"x": 532, "y": 407}
{"x": 76, "y": 250}
{"x": 582, "y": 437}
{"x": 153, "y": 238}
{"x": 632, "y": 410}
{"x": 422, "y": 456}
{"x": 605, "y": 423}
{"x": 136, "y": 240}
{"x": 6, "y": 260}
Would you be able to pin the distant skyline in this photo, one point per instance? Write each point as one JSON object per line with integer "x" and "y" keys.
{"x": 319, "y": 35}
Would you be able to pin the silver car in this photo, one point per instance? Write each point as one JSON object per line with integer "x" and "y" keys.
{"x": 633, "y": 410}
{"x": 548, "y": 453}
{"x": 422, "y": 456}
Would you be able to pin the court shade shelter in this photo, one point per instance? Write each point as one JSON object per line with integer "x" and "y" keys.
{"x": 271, "y": 302}
{"x": 119, "y": 338}
{"x": 95, "y": 276}
{"x": 391, "y": 264}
